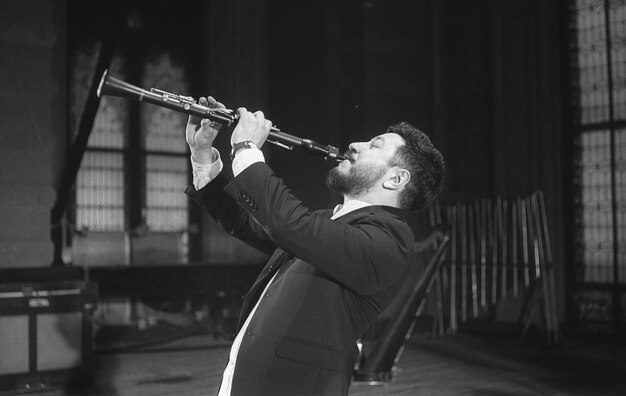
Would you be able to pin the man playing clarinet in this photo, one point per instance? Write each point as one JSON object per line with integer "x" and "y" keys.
{"x": 331, "y": 272}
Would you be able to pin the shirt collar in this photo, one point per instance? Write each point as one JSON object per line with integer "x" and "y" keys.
{"x": 347, "y": 207}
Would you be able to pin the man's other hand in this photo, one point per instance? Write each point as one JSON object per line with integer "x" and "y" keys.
{"x": 201, "y": 133}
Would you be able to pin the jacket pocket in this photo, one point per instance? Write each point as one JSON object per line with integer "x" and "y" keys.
{"x": 310, "y": 353}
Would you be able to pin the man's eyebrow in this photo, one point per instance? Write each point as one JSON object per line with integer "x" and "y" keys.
{"x": 379, "y": 137}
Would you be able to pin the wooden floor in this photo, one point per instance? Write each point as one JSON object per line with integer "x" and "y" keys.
{"x": 452, "y": 365}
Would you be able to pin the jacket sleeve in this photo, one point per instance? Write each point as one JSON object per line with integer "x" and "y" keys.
{"x": 367, "y": 255}
{"x": 229, "y": 215}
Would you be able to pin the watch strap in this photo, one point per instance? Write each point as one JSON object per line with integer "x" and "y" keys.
{"x": 246, "y": 144}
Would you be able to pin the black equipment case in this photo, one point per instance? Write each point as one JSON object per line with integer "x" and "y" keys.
{"x": 45, "y": 335}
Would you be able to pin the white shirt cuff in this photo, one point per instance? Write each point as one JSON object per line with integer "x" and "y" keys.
{"x": 245, "y": 158}
{"x": 204, "y": 173}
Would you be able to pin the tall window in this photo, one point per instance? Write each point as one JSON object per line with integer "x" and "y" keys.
{"x": 130, "y": 186}
{"x": 599, "y": 101}
{"x": 100, "y": 184}
{"x": 165, "y": 150}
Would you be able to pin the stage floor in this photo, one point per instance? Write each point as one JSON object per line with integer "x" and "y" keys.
{"x": 451, "y": 365}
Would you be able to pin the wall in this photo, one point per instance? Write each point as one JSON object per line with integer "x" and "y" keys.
{"x": 32, "y": 126}
{"x": 528, "y": 141}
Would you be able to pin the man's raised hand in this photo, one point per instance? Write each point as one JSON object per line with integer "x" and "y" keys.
{"x": 201, "y": 133}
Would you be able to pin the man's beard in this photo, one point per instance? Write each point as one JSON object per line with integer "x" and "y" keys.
{"x": 357, "y": 181}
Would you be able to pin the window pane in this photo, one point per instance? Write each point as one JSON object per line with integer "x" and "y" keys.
{"x": 110, "y": 124}
{"x": 617, "y": 15}
{"x": 100, "y": 192}
{"x": 166, "y": 203}
{"x": 164, "y": 129}
{"x": 597, "y": 223}
{"x": 592, "y": 61}
{"x": 620, "y": 183}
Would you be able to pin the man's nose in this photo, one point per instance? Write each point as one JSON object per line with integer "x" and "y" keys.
{"x": 356, "y": 146}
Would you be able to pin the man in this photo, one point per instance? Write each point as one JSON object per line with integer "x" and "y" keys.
{"x": 330, "y": 274}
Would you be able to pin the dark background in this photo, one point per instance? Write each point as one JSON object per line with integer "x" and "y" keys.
{"x": 486, "y": 80}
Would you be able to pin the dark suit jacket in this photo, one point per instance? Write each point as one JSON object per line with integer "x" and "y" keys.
{"x": 334, "y": 278}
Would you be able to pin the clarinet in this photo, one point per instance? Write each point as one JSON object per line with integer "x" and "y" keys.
{"x": 112, "y": 86}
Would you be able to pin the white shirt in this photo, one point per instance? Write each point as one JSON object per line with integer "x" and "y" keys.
{"x": 202, "y": 175}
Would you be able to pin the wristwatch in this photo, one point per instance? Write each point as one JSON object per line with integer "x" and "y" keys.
{"x": 246, "y": 144}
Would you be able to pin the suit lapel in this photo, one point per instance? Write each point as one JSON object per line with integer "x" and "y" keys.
{"x": 280, "y": 257}
{"x": 273, "y": 265}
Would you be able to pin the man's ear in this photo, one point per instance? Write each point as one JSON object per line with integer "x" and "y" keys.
{"x": 399, "y": 177}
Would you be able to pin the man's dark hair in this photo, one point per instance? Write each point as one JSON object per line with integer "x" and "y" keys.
{"x": 423, "y": 161}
